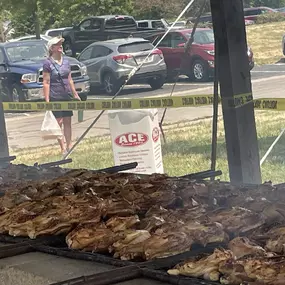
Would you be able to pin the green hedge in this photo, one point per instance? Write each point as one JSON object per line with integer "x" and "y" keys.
{"x": 270, "y": 18}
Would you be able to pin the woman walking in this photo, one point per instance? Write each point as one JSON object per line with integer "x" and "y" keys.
{"x": 58, "y": 86}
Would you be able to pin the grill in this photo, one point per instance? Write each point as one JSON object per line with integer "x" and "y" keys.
{"x": 128, "y": 270}
{"x": 75, "y": 72}
{"x": 155, "y": 269}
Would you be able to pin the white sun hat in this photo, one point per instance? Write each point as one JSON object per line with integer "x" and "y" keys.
{"x": 54, "y": 41}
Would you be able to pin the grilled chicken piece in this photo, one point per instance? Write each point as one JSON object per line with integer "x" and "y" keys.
{"x": 233, "y": 273}
{"x": 157, "y": 211}
{"x": 151, "y": 224}
{"x": 274, "y": 212}
{"x": 253, "y": 270}
{"x": 164, "y": 198}
{"x": 91, "y": 237}
{"x": 242, "y": 246}
{"x": 205, "y": 233}
{"x": 237, "y": 220}
{"x": 131, "y": 246}
{"x": 20, "y": 215}
{"x": 276, "y": 240}
{"x": 117, "y": 224}
{"x": 266, "y": 270}
{"x": 48, "y": 226}
{"x": 206, "y": 267}
{"x": 119, "y": 208}
{"x": 164, "y": 244}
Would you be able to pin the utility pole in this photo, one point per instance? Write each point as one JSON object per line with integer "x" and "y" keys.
{"x": 234, "y": 78}
{"x": 37, "y": 20}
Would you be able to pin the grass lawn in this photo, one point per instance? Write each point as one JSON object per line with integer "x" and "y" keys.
{"x": 188, "y": 149}
{"x": 266, "y": 41}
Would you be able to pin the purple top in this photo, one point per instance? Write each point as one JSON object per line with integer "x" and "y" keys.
{"x": 59, "y": 88}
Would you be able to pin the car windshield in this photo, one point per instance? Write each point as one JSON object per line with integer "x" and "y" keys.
{"x": 135, "y": 47}
{"x": 203, "y": 37}
{"x": 26, "y": 51}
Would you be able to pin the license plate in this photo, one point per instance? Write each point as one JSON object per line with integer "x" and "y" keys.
{"x": 142, "y": 59}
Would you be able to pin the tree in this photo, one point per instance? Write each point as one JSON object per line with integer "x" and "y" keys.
{"x": 149, "y": 9}
{"x": 267, "y": 3}
{"x": 4, "y": 27}
{"x": 69, "y": 10}
{"x": 34, "y": 16}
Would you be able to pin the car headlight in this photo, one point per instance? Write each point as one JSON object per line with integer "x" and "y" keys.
{"x": 83, "y": 70}
{"x": 248, "y": 51}
{"x": 211, "y": 52}
{"x": 29, "y": 78}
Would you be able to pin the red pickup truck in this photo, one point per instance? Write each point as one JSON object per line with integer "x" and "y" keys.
{"x": 199, "y": 65}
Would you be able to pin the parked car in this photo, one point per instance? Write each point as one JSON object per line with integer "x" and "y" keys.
{"x": 21, "y": 71}
{"x": 207, "y": 18}
{"x": 55, "y": 32}
{"x": 199, "y": 63}
{"x": 110, "y": 62}
{"x": 252, "y": 13}
{"x": 282, "y": 10}
{"x": 101, "y": 28}
{"x": 45, "y": 38}
{"x": 153, "y": 24}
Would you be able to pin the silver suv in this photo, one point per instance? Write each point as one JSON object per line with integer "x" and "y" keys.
{"x": 109, "y": 63}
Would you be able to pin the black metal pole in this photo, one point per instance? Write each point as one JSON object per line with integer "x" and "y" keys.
{"x": 215, "y": 113}
{"x": 4, "y": 148}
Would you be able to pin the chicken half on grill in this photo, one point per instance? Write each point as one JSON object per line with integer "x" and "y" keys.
{"x": 205, "y": 267}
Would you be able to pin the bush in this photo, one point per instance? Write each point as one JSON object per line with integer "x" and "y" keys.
{"x": 270, "y": 18}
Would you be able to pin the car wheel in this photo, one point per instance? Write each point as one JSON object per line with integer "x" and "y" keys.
{"x": 157, "y": 83}
{"x": 17, "y": 94}
{"x": 284, "y": 49}
{"x": 111, "y": 84}
{"x": 199, "y": 71}
{"x": 67, "y": 47}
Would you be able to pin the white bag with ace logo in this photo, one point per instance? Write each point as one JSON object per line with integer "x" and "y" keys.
{"x": 50, "y": 129}
{"x": 136, "y": 138}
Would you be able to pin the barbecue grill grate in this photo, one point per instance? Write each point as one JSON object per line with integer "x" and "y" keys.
{"x": 133, "y": 273}
{"x": 76, "y": 254}
{"x": 15, "y": 245}
{"x": 106, "y": 278}
{"x": 176, "y": 280}
{"x": 161, "y": 263}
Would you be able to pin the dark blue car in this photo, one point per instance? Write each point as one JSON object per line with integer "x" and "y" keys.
{"x": 21, "y": 71}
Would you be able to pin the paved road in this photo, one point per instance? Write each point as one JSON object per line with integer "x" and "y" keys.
{"x": 23, "y": 129}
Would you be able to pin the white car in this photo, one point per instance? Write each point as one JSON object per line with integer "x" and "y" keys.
{"x": 55, "y": 32}
{"x": 153, "y": 24}
{"x": 31, "y": 37}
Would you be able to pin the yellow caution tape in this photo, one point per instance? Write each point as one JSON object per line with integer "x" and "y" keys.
{"x": 109, "y": 104}
{"x": 149, "y": 103}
